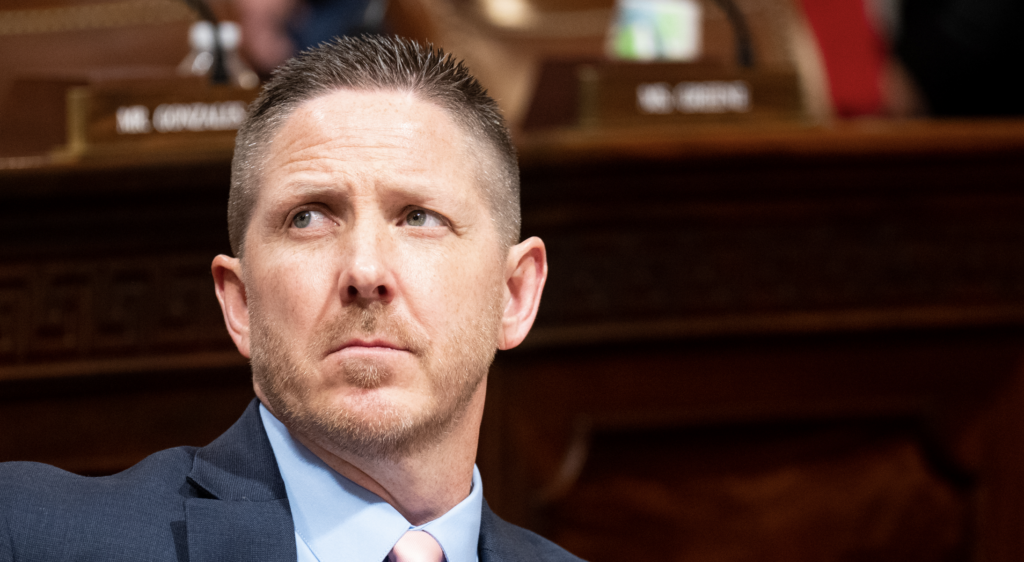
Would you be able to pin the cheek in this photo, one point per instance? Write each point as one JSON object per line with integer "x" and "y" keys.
{"x": 446, "y": 287}
{"x": 419, "y": 273}
{"x": 297, "y": 285}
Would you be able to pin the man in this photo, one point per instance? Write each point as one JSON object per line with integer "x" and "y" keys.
{"x": 374, "y": 219}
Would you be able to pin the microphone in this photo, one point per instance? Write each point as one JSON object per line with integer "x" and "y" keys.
{"x": 219, "y": 71}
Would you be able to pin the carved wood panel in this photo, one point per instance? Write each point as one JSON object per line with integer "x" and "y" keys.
{"x": 838, "y": 447}
{"x": 151, "y": 306}
{"x": 675, "y": 243}
{"x": 106, "y": 269}
{"x": 678, "y": 268}
{"x": 762, "y": 493}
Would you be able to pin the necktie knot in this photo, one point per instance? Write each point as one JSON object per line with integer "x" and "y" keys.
{"x": 416, "y": 546}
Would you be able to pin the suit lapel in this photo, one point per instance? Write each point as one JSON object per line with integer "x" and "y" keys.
{"x": 492, "y": 541}
{"x": 227, "y": 531}
{"x": 241, "y": 512}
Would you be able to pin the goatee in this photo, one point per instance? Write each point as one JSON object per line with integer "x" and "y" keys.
{"x": 300, "y": 393}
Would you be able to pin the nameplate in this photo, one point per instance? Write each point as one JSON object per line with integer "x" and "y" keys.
{"x": 616, "y": 94}
{"x": 183, "y": 115}
{"x": 627, "y": 94}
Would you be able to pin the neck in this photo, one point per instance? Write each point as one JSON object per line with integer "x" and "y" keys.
{"x": 424, "y": 484}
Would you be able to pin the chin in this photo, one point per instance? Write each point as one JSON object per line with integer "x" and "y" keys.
{"x": 371, "y": 407}
{"x": 368, "y": 374}
{"x": 374, "y": 424}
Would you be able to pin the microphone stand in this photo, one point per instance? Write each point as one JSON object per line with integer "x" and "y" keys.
{"x": 219, "y": 71}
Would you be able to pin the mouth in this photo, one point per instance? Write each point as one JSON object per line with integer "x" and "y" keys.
{"x": 358, "y": 345}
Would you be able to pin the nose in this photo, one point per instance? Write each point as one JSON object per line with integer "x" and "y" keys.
{"x": 367, "y": 275}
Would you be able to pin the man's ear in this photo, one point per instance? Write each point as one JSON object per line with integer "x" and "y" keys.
{"x": 227, "y": 279}
{"x": 525, "y": 273}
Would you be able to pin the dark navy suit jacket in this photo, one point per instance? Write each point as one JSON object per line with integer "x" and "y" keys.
{"x": 219, "y": 503}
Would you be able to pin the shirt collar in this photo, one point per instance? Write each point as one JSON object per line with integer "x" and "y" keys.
{"x": 342, "y": 521}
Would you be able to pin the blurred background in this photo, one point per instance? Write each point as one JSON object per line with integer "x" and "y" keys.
{"x": 785, "y": 315}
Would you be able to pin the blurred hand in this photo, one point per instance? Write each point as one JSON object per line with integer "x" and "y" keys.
{"x": 265, "y": 39}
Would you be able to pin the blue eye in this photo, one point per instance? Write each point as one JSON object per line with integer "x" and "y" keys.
{"x": 416, "y": 218}
{"x": 419, "y": 217}
{"x": 302, "y": 219}
{"x": 311, "y": 218}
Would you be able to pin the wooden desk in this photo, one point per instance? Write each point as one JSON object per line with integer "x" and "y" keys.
{"x": 111, "y": 340}
{"x": 781, "y": 343}
{"x": 777, "y": 343}
{"x": 788, "y": 229}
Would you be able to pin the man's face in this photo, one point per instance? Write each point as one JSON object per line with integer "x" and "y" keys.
{"x": 372, "y": 273}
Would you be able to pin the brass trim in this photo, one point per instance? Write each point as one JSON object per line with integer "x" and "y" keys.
{"x": 78, "y": 119}
{"x": 109, "y": 15}
{"x": 589, "y": 92}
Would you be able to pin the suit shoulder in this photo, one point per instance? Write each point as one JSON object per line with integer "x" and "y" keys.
{"x": 508, "y": 543}
{"x": 42, "y": 506}
{"x": 28, "y": 480}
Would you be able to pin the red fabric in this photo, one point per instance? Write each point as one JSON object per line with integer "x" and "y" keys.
{"x": 854, "y": 54}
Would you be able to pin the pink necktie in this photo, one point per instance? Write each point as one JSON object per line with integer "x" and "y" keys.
{"x": 416, "y": 546}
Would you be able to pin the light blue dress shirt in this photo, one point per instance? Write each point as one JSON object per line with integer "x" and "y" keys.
{"x": 337, "y": 520}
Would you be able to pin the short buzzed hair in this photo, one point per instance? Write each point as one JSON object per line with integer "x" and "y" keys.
{"x": 376, "y": 63}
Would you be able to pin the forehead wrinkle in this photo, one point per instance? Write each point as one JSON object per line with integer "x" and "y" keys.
{"x": 306, "y": 190}
{"x": 335, "y": 147}
{"x": 336, "y": 161}
{"x": 329, "y": 156}
{"x": 337, "y": 137}
{"x": 353, "y": 134}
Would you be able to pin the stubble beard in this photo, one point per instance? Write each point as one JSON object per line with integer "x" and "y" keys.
{"x": 377, "y": 429}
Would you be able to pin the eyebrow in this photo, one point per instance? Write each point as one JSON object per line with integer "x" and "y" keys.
{"x": 314, "y": 190}
{"x": 301, "y": 191}
{"x": 409, "y": 189}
